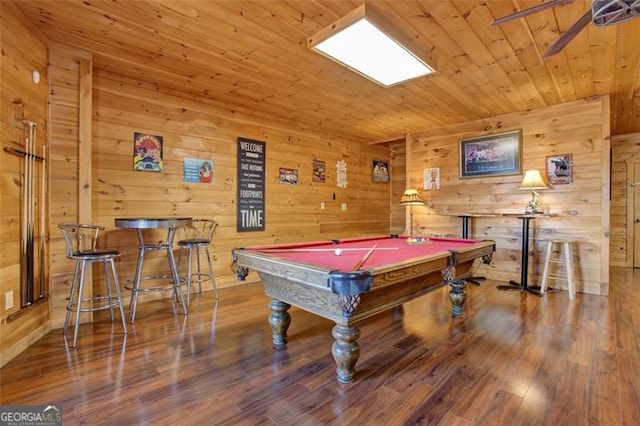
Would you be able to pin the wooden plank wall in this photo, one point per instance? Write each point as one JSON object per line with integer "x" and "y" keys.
{"x": 625, "y": 151}
{"x": 192, "y": 129}
{"x": 21, "y": 99}
{"x": 398, "y": 185}
{"x": 579, "y": 128}
{"x": 64, "y": 74}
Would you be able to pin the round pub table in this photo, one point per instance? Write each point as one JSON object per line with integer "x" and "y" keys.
{"x": 171, "y": 224}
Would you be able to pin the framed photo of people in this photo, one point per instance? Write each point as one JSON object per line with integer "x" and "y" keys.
{"x": 380, "y": 171}
{"x": 498, "y": 154}
{"x": 431, "y": 178}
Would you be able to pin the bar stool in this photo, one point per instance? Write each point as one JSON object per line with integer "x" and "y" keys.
{"x": 81, "y": 241}
{"x": 567, "y": 262}
{"x": 198, "y": 236}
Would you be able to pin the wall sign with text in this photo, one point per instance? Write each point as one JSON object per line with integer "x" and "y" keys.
{"x": 251, "y": 185}
{"x": 196, "y": 170}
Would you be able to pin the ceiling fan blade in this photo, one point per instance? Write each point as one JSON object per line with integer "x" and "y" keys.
{"x": 529, "y": 11}
{"x": 569, "y": 34}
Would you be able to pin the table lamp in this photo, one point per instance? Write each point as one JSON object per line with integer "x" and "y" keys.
{"x": 532, "y": 181}
{"x": 411, "y": 198}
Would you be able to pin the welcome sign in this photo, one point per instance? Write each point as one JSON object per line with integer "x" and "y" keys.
{"x": 251, "y": 185}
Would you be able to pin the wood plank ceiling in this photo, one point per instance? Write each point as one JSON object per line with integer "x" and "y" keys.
{"x": 251, "y": 56}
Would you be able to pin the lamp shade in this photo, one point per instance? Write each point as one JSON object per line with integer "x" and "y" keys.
{"x": 532, "y": 180}
{"x": 411, "y": 198}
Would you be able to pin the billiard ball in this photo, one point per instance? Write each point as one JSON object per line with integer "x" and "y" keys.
{"x": 338, "y": 252}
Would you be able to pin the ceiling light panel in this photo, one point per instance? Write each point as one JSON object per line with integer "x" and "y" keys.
{"x": 358, "y": 42}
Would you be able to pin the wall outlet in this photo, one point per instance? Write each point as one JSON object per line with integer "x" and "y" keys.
{"x": 8, "y": 300}
{"x": 344, "y": 206}
{"x": 322, "y": 206}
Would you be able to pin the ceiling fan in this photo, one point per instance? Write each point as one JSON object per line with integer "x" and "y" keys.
{"x": 601, "y": 13}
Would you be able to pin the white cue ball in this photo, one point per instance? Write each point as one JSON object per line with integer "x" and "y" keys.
{"x": 338, "y": 252}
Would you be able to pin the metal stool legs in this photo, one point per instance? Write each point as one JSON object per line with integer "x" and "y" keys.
{"x": 81, "y": 246}
{"x": 78, "y": 304}
{"x": 198, "y": 275}
{"x": 198, "y": 236}
{"x": 567, "y": 262}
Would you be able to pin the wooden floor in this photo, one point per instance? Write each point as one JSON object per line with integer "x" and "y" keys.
{"x": 513, "y": 359}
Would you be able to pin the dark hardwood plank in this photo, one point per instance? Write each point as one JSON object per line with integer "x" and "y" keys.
{"x": 511, "y": 359}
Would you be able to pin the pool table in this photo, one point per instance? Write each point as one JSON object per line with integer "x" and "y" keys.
{"x": 351, "y": 279}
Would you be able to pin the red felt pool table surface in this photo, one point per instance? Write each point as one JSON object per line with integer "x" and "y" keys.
{"x": 388, "y": 250}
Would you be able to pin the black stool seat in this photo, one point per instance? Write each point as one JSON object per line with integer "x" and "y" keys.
{"x": 95, "y": 254}
{"x": 195, "y": 242}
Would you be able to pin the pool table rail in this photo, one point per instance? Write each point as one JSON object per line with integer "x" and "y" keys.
{"x": 309, "y": 286}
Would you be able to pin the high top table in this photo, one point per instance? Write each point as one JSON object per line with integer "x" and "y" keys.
{"x": 526, "y": 218}
{"x": 523, "y": 285}
{"x": 465, "y": 234}
{"x": 171, "y": 224}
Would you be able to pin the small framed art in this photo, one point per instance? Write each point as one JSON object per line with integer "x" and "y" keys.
{"x": 380, "y": 171}
{"x": 560, "y": 169}
{"x": 431, "y": 178}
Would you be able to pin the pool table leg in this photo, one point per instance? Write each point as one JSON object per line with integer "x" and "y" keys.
{"x": 457, "y": 295}
{"x": 346, "y": 351}
{"x": 279, "y": 319}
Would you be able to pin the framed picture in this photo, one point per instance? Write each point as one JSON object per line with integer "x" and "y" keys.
{"x": 560, "y": 169}
{"x": 147, "y": 152}
{"x": 341, "y": 174}
{"x": 380, "y": 171}
{"x": 288, "y": 176}
{"x": 196, "y": 170}
{"x": 499, "y": 154}
{"x": 431, "y": 178}
{"x": 319, "y": 168}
